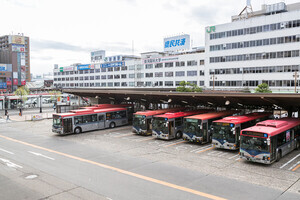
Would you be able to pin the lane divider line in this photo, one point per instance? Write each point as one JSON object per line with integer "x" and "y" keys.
{"x": 205, "y": 150}
{"x": 6, "y": 151}
{"x": 146, "y": 178}
{"x": 295, "y": 167}
{"x": 124, "y": 135}
{"x": 175, "y": 144}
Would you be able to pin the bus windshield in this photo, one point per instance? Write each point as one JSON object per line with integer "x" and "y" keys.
{"x": 191, "y": 126}
{"x": 223, "y": 132}
{"x": 254, "y": 143}
{"x": 57, "y": 121}
{"x": 160, "y": 124}
{"x": 139, "y": 121}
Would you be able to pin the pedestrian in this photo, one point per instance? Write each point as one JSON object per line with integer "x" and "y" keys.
{"x": 54, "y": 107}
{"x": 7, "y": 116}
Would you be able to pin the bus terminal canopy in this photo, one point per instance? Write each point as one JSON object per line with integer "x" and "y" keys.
{"x": 221, "y": 99}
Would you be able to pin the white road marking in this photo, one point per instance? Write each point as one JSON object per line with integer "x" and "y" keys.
{"x": 223, "y": 154}
{"x": 39, "y": 154}
{"x": 294, "y": 165}
{"x": 238, "y": 158}
{"x": 169, "y": 143}
{"x": 233, "y": 156}
{"x": 289, "y": 161}
{"x": 6, "y": 151}
{"x": 201, "y": 148}
{"x": 10, "y": 164}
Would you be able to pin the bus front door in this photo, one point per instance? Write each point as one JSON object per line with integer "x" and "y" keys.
{"x": 67, "y": 127}
{"x": 171, "y": 130}
{"x": 101, "y": 122}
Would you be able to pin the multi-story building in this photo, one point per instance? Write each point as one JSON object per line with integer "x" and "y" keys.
{"x": 254, "y": 48}
{"x": 15, "y": 50}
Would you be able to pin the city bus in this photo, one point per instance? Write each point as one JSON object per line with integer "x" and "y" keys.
{"x": 170, "y": 125}
{"x": 130, "y": 108}
{"x": 197, "y": 127}
{"x": 79, "y": 121}
{"x": 142, "y": 120}
{"x": 226, "y": 131}
{"x": 270, "y": 140}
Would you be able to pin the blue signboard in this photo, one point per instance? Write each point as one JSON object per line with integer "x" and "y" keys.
{"x": 3, "y": 68}
{"x": 115, "y": 64}
{"x": 84, "y": 67}
{"x": 3, "y": 86}
{"x": 177, "y": 43}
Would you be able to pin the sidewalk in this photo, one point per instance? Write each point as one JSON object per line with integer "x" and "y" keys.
{"x": 29, "y": 117}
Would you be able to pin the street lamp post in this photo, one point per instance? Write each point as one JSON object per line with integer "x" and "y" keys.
{"x": 213, "y": 78}
{"x": 296, "y": 76}
{"x": 40, "y": 103}
{"x": 5, "y": 104}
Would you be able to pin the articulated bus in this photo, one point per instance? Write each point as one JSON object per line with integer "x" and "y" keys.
{"x": 269, "y": 140}
{"x": 226, "y": 131}
{"x": 83, "y": 120}
{"x": 197, "y": 127}
{"x": 170, "y": 125}
{"x": 142, "y": 120}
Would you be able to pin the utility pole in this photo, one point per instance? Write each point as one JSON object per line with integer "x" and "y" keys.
{"x": 213, "y": 78}
{"x": 296, "y": 76}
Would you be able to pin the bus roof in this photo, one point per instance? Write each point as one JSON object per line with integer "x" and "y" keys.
{"x": 274, "y": 127}
{"x": 157, "y": 112}
{"x": 243, "y": 118}
{"x": 90, "y": 112}
{"x": 213, "y": 115}
{"x": 182, "y": 114}
{"x": 100, "y": 106}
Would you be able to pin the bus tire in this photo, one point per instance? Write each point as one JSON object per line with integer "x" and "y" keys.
{"x": 178, "y": 135}
{"x": 112, "y": 125}
{"x": 77, "y": 130}
{"x": 279, "y": 156}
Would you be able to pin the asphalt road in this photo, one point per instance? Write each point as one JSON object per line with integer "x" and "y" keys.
{"x": 102, "y": 165}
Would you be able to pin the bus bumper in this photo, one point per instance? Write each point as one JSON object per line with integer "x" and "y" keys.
{"x": 261, "y": 158}
{"x": 57, "y": 131}
{"x": 186, "y": 137}
{"x": 225, "y": 145}
{"x": 161, "y": 136}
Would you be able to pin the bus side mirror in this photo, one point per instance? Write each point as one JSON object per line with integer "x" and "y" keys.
{"x": 268, "y": 142}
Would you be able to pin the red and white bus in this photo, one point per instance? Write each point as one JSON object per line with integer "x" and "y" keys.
{"x": 83, "y": 120}
{"x": 142, "y": 120}
{"x": 197, "y": 127}
{"x": 170, "y": 125}
{"x": 226, "y": 131}
{"x": 269, "y": 140}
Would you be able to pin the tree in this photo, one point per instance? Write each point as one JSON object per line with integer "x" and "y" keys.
{"x": 188, "y": 87}
{"x": 22, "y": 92}
{"x": 263, "y": 88}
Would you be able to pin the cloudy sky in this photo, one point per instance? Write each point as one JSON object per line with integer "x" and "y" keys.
{"x": 65, "y": 31}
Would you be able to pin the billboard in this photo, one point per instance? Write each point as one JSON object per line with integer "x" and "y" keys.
{"x": 8, "y": 81}
{"x": 97, "y": 56}
{"x": 3, "y": 68}
{"x": 160, "y": 60}
{"x": 180, "y": 42}
{"x": 63, "y": 100}
{"x": 3, "y": 86}
{"x": 64, "y": 69}
{"x": 84, "y": 67}
{"x": 16, "y": 39}
{"x": 115, "y": 64}
{"x": 15, "y": 75}
{"x": 18, "y": 48}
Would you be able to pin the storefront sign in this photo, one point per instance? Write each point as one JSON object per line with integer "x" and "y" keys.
{"x": 114, "y": 64}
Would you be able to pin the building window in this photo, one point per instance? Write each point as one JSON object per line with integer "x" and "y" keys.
{"x": 110, "y": 69}
{"x": 170, "y": 64}
{"x": 117, "y": 84}
{"x": 158, "y": 74}
{"x": 180, "y": 73}
{"x": 103, "y": 84}
{"x": 117, "y": 76}
{"x": 110, "y": 84}
{"x": 201, "y": 72}
{"x": 168, "y": 83}
{"x": 201, "y": 62}
{"x": 149, "y": 75}
{"x": 139, "y": 75}
{"x": 191, "y": 73}
{"x": 103, "y": 69}
{"x": 92, "y": 78}
{"x": 149, "y": 66}
{"x": 158, "y": 65}
{"x": 169, "y": 74}
{"x": 103, "y": 77}
{"x": 124, "y": 68}
{"x": 117, "y": 69}
{"x": 131, "y": 67}
{"x": 123, "y": 75}
{"x": 192, "y": 63}
{"x": 131, "y": 75}
{"x": 97, "y": 77}
{"x": 124, "y": 84}
{"x": 110, "y": 76}
{"x": 180, "y": 64}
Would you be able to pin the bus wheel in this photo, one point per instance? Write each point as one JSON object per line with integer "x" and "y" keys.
{"x": 178, "y": 135}
{"x": 77, "y": 130}
{"x": 112, "y": 125}
{"x": 279, "y": 155}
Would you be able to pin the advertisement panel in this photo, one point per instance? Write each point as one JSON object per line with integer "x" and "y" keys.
{"x": 84, "y": 67}
{"x": 16, "y": 39}
{"x": 160, "y": 60}
{"x": 3, "y": 86}
{"x": 3, "y": 68}
{"x": 65, "y": 69}
{"x": 115, "y": 64}
{"x": 23, "y": 82}
{"x": 18, "y": 48}
{"x": 8, "y": 81}
{"x": 15, "y": 81}
{"x": 62, "y": 100}
{"x": 15, "y": 75}
{"x": 175, "y": 43}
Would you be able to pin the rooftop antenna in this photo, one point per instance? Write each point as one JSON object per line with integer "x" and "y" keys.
{"x": 247, "y": 12}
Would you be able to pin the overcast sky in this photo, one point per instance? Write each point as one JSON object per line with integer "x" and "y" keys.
{"x": 64, "y": 32}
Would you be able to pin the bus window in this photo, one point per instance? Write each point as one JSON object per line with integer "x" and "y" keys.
{"x": 94, "y": 118}
{"x": 87, "y": 119}
{"x": 204, "y": 128}
{"x": 178, "y": 122}
{"x": 101, "y": 118}
{"x": 78, "y": 119}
